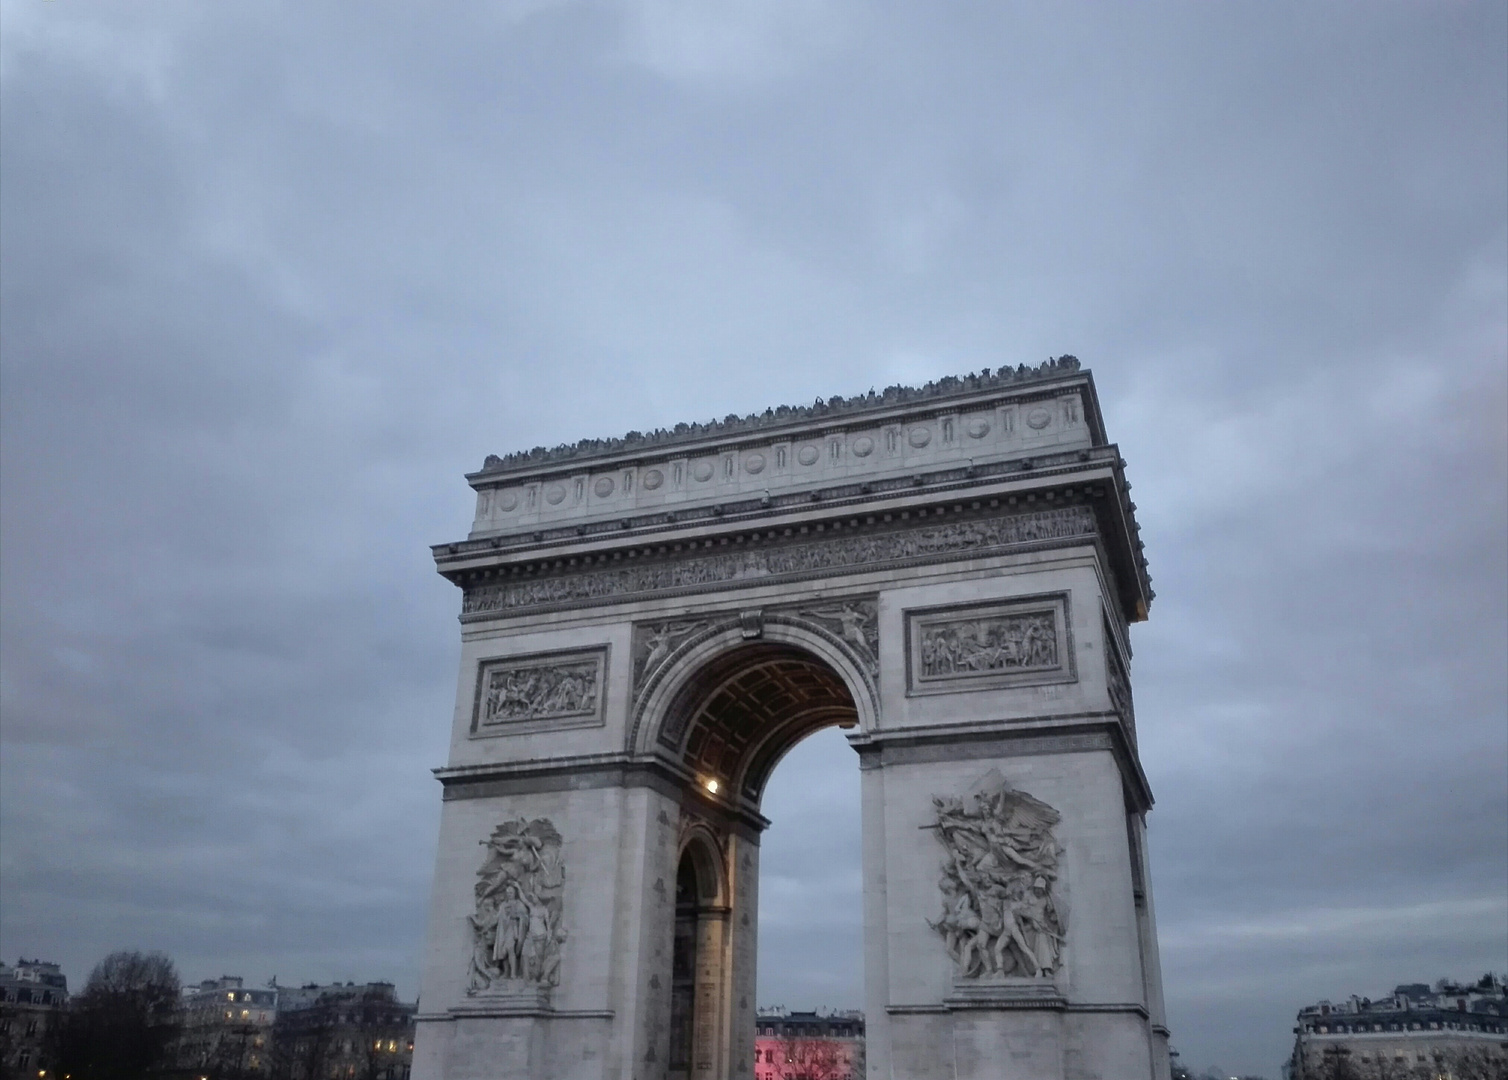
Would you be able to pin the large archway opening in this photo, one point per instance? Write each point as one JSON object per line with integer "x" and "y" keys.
{"x": 734, "y": 719}
{"x": 811, "y": 891}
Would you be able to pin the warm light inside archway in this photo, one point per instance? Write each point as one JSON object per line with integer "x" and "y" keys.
{"x": 752, "y": 705}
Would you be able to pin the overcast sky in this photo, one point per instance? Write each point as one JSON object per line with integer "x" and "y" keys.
{"x": 276, "y": 275}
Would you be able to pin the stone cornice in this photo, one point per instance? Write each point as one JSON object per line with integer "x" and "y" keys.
{"x": 889, "y": 746}
{"x": 1044, "y": 735}
{"x": 1033, "y": 471}
{"x": 507, "y": 572}
{"x": 583, "y": 772}
{"x": 772, "y": 422}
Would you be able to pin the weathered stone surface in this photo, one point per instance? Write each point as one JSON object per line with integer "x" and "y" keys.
{"x": 649, "y": 623}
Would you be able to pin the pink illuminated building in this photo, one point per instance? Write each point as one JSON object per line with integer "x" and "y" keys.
{"x": 809, "y": 1046}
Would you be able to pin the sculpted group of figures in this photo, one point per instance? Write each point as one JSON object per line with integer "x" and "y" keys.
{"x": 531, "y": 692}
{"x": 999, "y": 918}
{"x": 1059, "y": 524}
{"x": 982, "y": 645}
{"x": 516, "y": 931}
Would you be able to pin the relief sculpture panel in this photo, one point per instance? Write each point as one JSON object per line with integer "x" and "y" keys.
{"x": 1000, "y": 917}
{"x": 516, "y": 930}
{"x": 531, "y": 693}
{"x": 982, "y": 646}
{"x": 999, "y": 643}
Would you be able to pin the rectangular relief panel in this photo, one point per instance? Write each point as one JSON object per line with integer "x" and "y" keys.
{"x": 540, "y": 692}
{"x": 1024, "y": 641}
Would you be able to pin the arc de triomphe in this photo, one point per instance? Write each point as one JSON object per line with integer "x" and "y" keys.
{"x": 649, "y": 623}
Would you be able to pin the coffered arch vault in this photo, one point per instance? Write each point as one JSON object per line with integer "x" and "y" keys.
{"x": 732, "y": 699}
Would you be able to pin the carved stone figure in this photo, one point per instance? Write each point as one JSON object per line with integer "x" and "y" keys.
{"x": 860, "y": 628}
{"x": 653, "y": 644}
{"x": 999, "y": 643}
{"x": 535, "y": 692}
{"x": 516, "y": 929}
{"x": 1001, "y": 862}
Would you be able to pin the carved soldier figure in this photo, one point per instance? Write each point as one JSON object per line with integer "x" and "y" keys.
{"x": 537, "y": 942}
{"x": 484, "y": 935}
{"x": 1041, "y": 919}
{"x": 512, "y": 928}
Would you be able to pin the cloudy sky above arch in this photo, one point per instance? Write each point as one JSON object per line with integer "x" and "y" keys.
{"x": 273, "y": 278}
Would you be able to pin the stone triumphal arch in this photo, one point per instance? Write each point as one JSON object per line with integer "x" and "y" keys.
{"x": 649, "y": 623}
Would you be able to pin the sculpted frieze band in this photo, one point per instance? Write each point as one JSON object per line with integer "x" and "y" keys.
{"x": 756, "y": 565}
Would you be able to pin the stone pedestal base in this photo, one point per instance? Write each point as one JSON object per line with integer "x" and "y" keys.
{"x": 1006, "y": 994}
{"x": 512, "y": 997}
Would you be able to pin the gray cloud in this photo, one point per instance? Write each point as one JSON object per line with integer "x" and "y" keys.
{"x": 273, "y": 278}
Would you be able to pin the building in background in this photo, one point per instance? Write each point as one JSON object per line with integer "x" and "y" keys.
{"x": 33, "y": 996}
{"x": 355, "y": 1031}
{"x": 227, "y": 1028}
{"x": 1448, "y": 1032}
{"x": 808, "y": 1045}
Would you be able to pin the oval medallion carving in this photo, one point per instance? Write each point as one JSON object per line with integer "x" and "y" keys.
{"x": 554, "y": 494}
{"x": 507, "y": 501}
{"x": 702, "y": 471}
{"x": 807, "y": 455}
{"x": 978, "y": 427}
{"x": 863, "y": 446}
{"x": 919, "y": 437}
{"x": 1038, "y": 419}
{"x": 603, "y": 487}
{"x": 653, "y": 479}
{"x": 754, "y": 463}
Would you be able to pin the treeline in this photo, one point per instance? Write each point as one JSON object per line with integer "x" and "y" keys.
{"x": 121, "y": 1026}
{"x": 129, "y": 1022}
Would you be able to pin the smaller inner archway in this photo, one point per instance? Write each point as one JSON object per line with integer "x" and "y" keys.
{"x": 699, "y": 960}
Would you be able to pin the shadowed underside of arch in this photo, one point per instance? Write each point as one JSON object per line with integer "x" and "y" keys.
{"x": 751, "y": 705}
